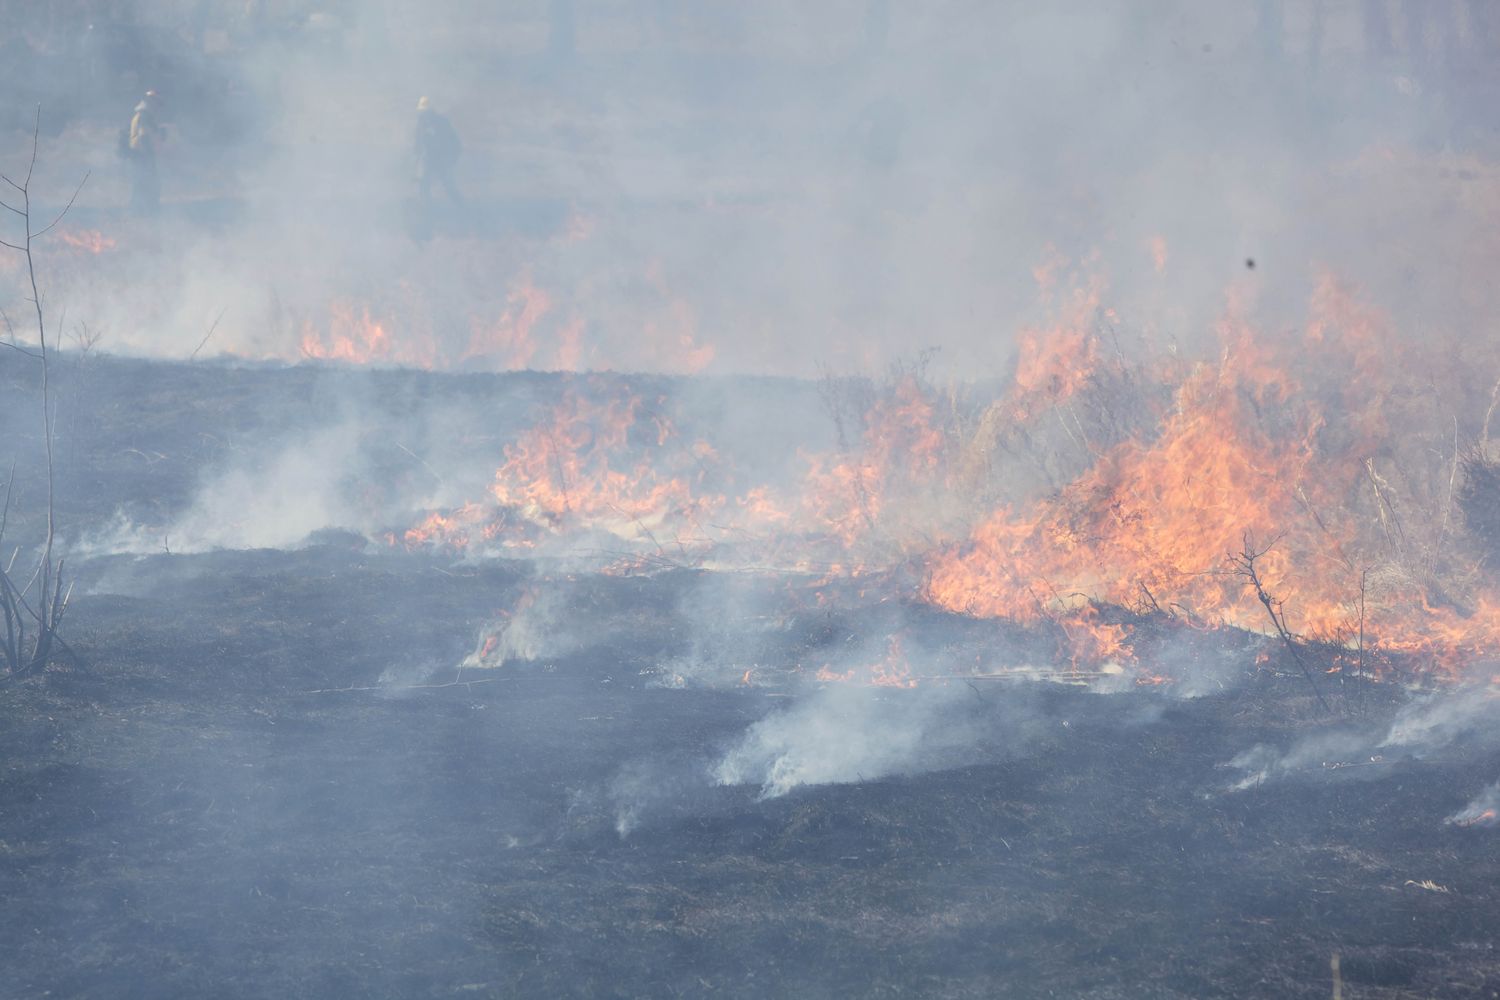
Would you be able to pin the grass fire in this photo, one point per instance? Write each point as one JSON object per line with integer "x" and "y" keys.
{"x": 663, "y": 499}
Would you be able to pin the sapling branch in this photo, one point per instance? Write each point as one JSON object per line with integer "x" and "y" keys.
{"x": 1244, "y": 563}
{"x": 48, "y": 577}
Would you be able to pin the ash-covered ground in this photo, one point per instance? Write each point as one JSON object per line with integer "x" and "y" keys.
{"x": 303, "y": 771}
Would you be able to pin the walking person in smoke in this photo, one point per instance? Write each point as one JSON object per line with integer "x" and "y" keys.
{"x": 437, "y": 148}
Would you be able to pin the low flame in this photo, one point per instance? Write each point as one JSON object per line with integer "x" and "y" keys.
{"x": 1091, "y": 491}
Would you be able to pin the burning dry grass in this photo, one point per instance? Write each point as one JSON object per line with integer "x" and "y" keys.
{"x": 1110, "y": 476}
{"x": 1092, "y": 480}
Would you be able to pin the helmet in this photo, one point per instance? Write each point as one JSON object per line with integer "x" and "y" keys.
{"x": 423, "y": 104}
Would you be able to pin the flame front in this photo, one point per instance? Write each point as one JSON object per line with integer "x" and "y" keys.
{"x": 1092, "y": 490}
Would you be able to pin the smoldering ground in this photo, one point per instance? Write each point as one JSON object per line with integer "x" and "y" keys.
{"x": 1457, "y": 722}
{"x": 1482, "y": 810}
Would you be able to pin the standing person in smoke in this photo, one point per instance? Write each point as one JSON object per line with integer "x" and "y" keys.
{"x": 145, "y": 136}
{"x": 437, "y": 149}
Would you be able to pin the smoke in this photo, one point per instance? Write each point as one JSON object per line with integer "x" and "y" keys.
{"x": 846, "y": 733}
{"x": 1444, "y": 718}
{"x": 835, "y": 733}
{"x": 323, "y": 450}
{"x": 1483, "y": 811}
{"x": 550, "y": 619}
{"x": 1426, "y": 725}
{"x": 1263, "y": 763}
{"x": 767, "y": 189}
{"x": 770, "y": 189}
{"x": 269, "y": 492}
{"x": 647, "y": 791}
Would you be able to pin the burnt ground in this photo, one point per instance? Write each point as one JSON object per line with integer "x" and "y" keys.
{"x": 243, "y": 791}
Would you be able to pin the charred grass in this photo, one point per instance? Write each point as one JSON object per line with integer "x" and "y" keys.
{"x": 183, "y": 818}
{"x": 264, "y": 776}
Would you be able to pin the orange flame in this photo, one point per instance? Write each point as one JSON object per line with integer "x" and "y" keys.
{"x": 1289, "y": 450}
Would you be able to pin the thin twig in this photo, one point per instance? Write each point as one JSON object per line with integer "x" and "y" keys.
{"x": 214, "y": 326}
{"x": 1245, "y": 562}
{"x": 20, "y": 350}
{"x": 11, "y": 331}
{"x": 48, "y": 227}
{"x": 10, "y": 482}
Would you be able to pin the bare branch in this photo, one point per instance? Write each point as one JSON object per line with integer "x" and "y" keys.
{"x": 8, "y": 205}
{"x": 1245, "y": 563}
{"x": 1484, "y": 438}
{"x": 48, "y": 228}
{"x": 9, "y": 329}
{"x": 36, "y": 135}
{"x": 20, "y": 350}
{"x": 35, "y": 575}
{"x": 49, "y": 576}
